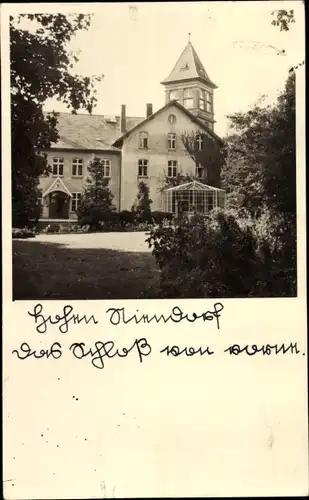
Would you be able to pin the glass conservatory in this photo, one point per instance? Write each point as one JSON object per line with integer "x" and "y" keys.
{"x": 193, "y": 198}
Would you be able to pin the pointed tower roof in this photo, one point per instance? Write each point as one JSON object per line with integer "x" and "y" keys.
{"x": 188, "y": 67}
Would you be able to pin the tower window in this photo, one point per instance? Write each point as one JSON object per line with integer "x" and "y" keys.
{"x": 175, "y": 95}
{"x": 208, "y": 102}
{"x": 171, "y": 141}
{"x": 202, "y": 100}
{"x": 188, "y": 98}
{"x": 172, "y": 168}
{"x": 143, "y": 140}
{"x": 142, "y": 168}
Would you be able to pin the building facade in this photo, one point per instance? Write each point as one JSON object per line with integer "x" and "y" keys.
{"x": 133, "y": 149}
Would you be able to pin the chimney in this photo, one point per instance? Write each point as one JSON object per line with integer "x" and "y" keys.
{"x": 148, "y": 110}
{"x": 123, "y": 124}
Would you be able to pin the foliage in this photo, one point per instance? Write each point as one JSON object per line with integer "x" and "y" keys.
{"x": 210, "y": 157}
{"x": 283, "y": 19}
{"x": 159, "y": 217}
{"x": 261, "y": 156}
{"x": 142, "y": 205}
{"x": 96, "y": 205}
{"x": 41, "y": 65}
{"x": 224, "y": 255}
{"x": 208, "y": 257}
{"x": 22, "y": 233}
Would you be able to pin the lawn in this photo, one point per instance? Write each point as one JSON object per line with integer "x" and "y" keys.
{"x": 84, "y": 266}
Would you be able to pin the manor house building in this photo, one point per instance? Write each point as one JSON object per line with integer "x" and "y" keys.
{"x": 135, "y": 149}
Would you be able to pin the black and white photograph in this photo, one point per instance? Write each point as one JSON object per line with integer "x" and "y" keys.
{"x": 153, "y": 179}
{"x": 156, "y": 164}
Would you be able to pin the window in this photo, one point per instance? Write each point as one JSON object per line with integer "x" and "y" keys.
{"x": 143, "y": 140}
{"x": 171, "y": 141}
{"x": 77, "y": 167}
{"x": 188, "y": 98}
{"x": 172, "y": 119}
{"x": 106, "y": 167}
{"x": 172, "y": 168}
{"x": 175, "y": 95}
{"x": 199, "y": 171}
{"x": 57, "y": 166}
{"x": 200, "y": 142}
{"x": 202, "y": 100}
{"x": 76, "y": 198}
{"x": 208, "y": 102}
{"x": 142, "y": 168}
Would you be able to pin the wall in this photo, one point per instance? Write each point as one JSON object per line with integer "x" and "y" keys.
{"x": 75, "y": 184}
{"x": 157, "y": 154}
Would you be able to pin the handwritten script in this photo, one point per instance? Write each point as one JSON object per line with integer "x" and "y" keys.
{"x": 118, "y": 316}
{"x": 100, "y": 351}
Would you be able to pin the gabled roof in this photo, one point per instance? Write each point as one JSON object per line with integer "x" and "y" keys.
{"x": 189, "y": 67}
{"x": 193, "y": 186}
{"x": 90, "y": 132}
{"x": 192, "y": 117}
{"x": 57, "y": 185}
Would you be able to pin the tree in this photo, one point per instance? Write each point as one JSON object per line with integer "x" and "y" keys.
{"x": 261, "y": 156}
{"x": 96, "y": 204}
{"x": 283, "y": 19}
{"x": 41, "y": 65}
{"x": 207, "y": 153}
{"x": 142, "y": 205}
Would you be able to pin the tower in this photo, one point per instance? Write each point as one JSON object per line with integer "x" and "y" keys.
{"x": 190, "y": 85}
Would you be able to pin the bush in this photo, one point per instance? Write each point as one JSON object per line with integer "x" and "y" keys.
{"x": 222, "y": 255}
{"x": 22, "y": 233}
{"x": 127, "y": 217}
{"x": 142, "y": 204}
{"x": 96, "y": 219}
{"x": 159, "y": 217}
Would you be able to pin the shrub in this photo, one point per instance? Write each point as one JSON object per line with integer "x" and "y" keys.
{"x": 96, "y": 206}
{"x": 223, "y": 255}
{"x": 22, "y": 233}
{"x": 127, "y": 217}
{"x": 142, "y": 205}
{"x": 159, "y": 217}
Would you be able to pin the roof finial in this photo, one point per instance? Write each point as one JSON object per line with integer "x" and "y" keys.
{"x": 189, "y": 37}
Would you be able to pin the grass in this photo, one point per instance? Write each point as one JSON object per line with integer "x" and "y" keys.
{"x": 79, "y": 267}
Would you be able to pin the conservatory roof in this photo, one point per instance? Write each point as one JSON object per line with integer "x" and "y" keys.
{"x": 193, "y": 186}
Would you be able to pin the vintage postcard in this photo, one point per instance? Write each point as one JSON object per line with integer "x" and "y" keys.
{"x": 154, "y": 236}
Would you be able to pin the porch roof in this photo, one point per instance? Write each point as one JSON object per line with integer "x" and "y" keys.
{"x": 57, "y": 185}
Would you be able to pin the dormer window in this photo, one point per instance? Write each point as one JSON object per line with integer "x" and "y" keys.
{"x": 143, "y": 140}
{"x": 188, "y": 98}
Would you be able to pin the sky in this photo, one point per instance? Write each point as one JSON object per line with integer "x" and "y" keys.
{"x": 136, "y": 46}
